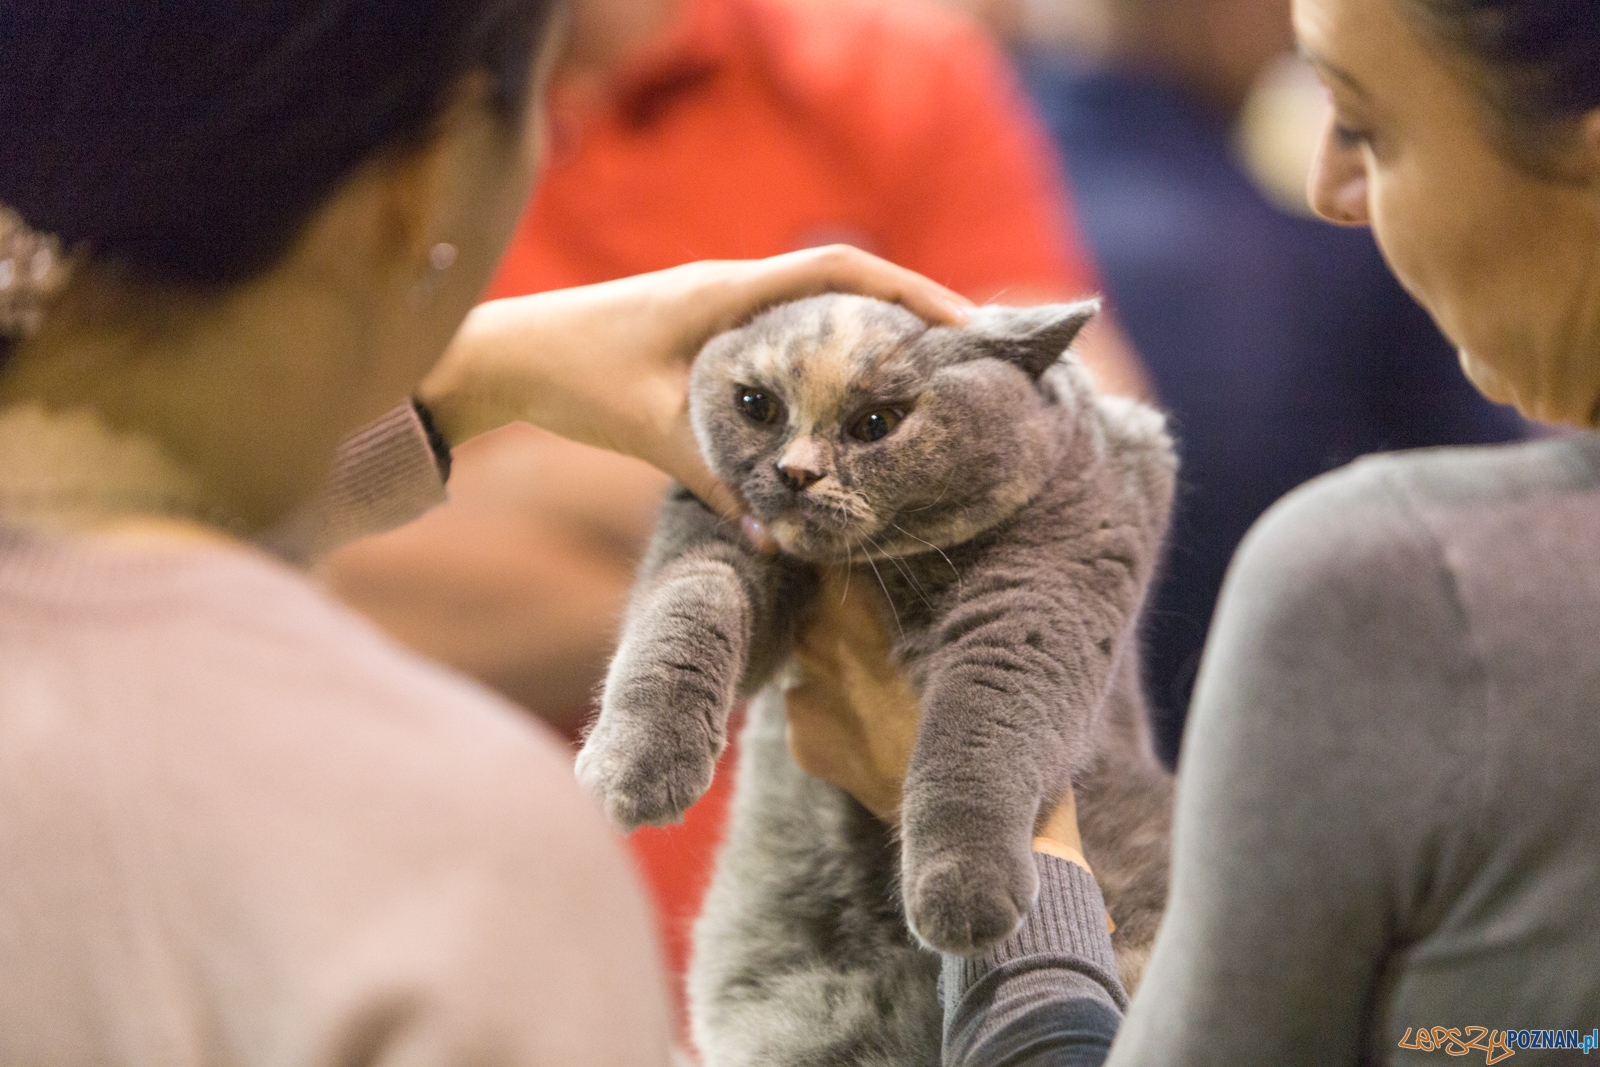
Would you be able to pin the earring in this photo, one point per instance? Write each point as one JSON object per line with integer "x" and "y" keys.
{"x": 441, "y": 257}
{"x": 33, "y": 270}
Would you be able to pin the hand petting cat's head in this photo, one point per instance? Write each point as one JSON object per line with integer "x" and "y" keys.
{"x": 854, "y": 429}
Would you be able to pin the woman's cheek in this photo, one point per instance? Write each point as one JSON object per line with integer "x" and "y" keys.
{"x": 1433, "y": 246}
{"x": 1407, "y": 247}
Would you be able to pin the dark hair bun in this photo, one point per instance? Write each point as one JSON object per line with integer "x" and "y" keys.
{"x": 191, "y": 140}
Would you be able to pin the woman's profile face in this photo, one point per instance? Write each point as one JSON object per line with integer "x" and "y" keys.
{"x": 1508, "y": 262}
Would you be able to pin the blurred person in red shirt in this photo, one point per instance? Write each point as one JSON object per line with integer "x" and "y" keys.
{"x": 684, "y": 130}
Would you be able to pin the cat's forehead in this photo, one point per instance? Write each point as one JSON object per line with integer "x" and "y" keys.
{"x": 821, "y": 350}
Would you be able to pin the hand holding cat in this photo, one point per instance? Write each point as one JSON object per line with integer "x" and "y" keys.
{"x": 608, "y": 364}
{"x": 853, "y": 717}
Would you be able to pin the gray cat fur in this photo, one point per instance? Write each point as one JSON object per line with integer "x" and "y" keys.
{"x": 1012, "y": 519}
{"x": 801, "y": 953}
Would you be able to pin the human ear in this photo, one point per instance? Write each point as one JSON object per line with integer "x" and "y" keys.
{"x": 1032, "y": 338}
{"x": 432, "y": 188}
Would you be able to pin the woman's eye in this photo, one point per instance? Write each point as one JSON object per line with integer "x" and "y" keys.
{"x": 1348, "y": 137}
{"x": 876, "y": 425}
{"x": 758, "y": 406}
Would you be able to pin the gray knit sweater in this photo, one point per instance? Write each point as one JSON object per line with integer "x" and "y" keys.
{"x": 1387, "y": 817}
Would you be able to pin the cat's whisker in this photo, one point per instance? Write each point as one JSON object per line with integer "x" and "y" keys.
{"x": 849, "y": 566}
{"x": 884, "y": 586}
{"x": 849, "y": 569}
{"x": 948, "y": 478}
{"x": 933, "y": 546}
{"x": 903, "y": 569}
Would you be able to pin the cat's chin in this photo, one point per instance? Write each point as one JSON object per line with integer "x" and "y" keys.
{"x": 795, "y": 537}
{"x": 803, "y": 540}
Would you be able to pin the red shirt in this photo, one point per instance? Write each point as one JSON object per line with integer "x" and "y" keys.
{"x": 755, "y": 127}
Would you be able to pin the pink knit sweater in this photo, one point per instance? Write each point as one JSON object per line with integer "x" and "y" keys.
{"x": 239, "y": 826}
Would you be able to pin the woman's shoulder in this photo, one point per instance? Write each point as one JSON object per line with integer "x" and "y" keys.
{"x": 1377, "y": 626}
{"x": 1431, "y": 580}
{"x": 1375, "y": 522}
{"x": 257, "y": 667}
{"x": 313, "y": 663}
{"x": 281, "y": 695}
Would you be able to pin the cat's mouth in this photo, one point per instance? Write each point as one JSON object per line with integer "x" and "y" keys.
{"x": 798, "y": 537}
{"x": 825, "y": 522}
{"x": 825, "y": 535}
{"x": 830, "y": 523}
{"x": 847, "y": 544}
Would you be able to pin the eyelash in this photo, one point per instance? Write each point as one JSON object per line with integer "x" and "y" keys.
{"x": 1349, "y": 138}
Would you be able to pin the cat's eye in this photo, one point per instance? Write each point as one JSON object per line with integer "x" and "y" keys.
{"x": 757, "y": 406}
{"x": 876, "y": 425}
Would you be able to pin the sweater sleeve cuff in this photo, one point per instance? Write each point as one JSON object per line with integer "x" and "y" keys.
{"x": 1049, "y": 989}
{"x": 1068, "y": 919}
{"x": 1058, "y": 965}
{"x": 383, "y": 476}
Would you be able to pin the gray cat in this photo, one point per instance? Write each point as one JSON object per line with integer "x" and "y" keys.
{"x": 1012, "y": 518}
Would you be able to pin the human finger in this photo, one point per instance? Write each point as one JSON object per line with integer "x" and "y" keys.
{"x": 1058, "y": 834}
{"x": 841, "y": 268}
{"x": 692, "y": 471}
{"x": 756, "y": 284}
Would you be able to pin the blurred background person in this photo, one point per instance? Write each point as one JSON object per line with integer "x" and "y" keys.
{"x": 1280, "y": 344}
{"x": 709, "y": 129}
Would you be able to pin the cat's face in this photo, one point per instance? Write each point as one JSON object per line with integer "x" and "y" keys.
{"x": 853, "y": 429}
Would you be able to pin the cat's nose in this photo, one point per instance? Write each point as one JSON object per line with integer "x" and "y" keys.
{"x": 797, "y": 477}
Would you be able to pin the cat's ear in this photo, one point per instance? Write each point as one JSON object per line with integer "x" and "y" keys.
{"x": 1032, "y": 338}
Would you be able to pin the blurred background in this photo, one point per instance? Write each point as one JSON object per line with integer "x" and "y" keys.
{"x": 1016, "y": 150}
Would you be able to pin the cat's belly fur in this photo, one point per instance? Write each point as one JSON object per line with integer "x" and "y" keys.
{"x": 802, "y": 955}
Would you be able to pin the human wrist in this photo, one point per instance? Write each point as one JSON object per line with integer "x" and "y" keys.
{"x": 1058, "y": 834}
{"x": 486, "y": 378}
{"x": 1051, "y": 847}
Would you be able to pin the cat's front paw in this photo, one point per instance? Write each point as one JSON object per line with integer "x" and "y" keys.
{"x": 966, "y": 901}
{"x": 644, "y": 781}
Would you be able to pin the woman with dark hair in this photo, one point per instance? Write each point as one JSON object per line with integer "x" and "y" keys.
{"x": 1386, "y": 816}
{"x": 238, "y": 826}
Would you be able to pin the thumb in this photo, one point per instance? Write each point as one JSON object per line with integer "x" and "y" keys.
{"x": 691, "y": 470}
{"x": 676, "y": 453}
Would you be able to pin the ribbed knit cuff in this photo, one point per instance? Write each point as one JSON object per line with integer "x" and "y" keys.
{"x": 384, "y": 476}
{"x": 1066, "y": 930}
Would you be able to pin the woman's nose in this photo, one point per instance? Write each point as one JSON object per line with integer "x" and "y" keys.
{"x": 1338, "y": 185}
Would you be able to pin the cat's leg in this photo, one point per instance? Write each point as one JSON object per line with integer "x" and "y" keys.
{"x": 801, "y": 954}
{"x": 968, "y": 813}
{"x": 1012, "y": 690}
{"x": 706, "y": 614}
{"x": 1015, "y": 678}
